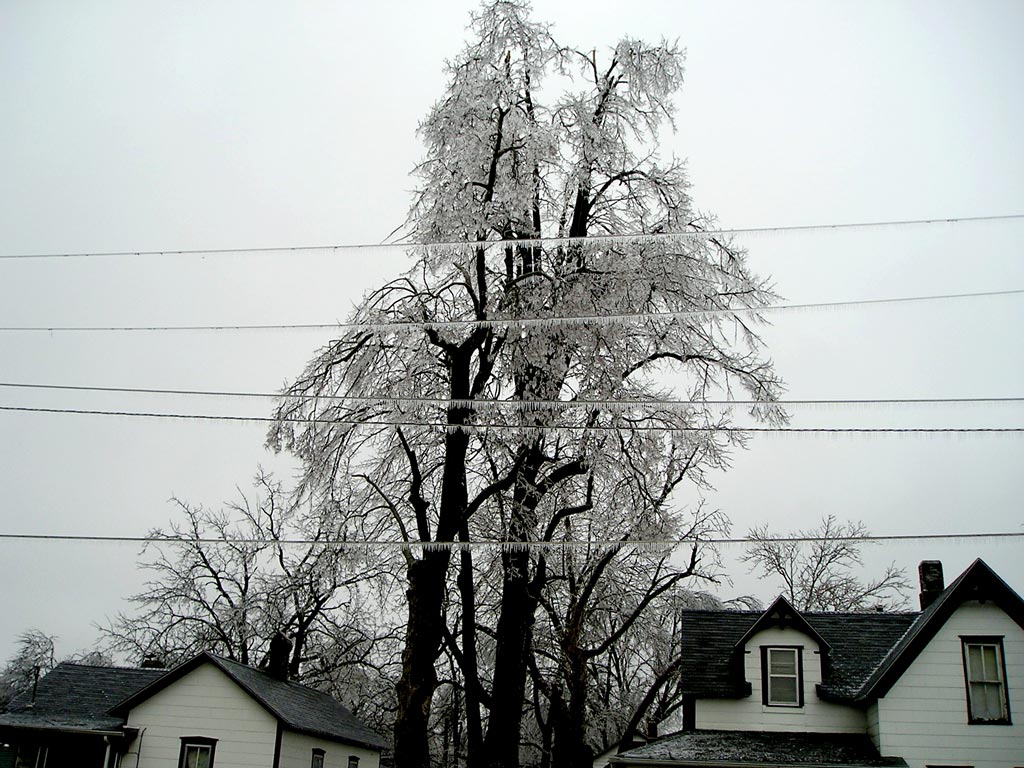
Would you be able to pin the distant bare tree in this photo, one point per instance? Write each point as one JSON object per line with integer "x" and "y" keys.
{"x": 817, "y": 567}
{"x": 227, "y": 580}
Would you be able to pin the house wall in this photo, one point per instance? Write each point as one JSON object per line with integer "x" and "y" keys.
{"x": 297, "y": 752}
{"x": 872, "y": 718}
{"x": 749, "y": 714}
{"x": 205, "y": 702}
{"x": 923, "y": 718}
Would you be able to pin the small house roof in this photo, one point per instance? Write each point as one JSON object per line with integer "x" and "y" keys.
{"x": 77, "y": 697}
{"x": 298, "y": 707}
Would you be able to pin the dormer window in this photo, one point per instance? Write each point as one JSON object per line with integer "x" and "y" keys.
{"x": 782, "y": 676}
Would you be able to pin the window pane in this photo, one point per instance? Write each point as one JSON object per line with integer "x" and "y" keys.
{"x": 783, "y": 690}
{"x": 974, "y": 665}
{"x": 994, "y": 701}
{"x": 318, "y": 761}
{"x": 197, "y": 756}
{"x": 987, "y": 701}
{"x": 782, "y": 662}
{"x": 988, "y": 657}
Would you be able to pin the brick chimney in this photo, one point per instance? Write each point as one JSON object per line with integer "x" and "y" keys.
{"x": 276, "y": 661}
{"x": 932, "y": 583}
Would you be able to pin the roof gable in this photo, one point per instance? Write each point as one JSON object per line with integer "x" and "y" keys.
{"x": 978, "y": 582}
{"x": 297, "y": 707}
{"x": 782, "y": 615}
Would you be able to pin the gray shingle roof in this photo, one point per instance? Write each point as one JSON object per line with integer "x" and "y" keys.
{"x": 760, "y": 747}
{"x": 78, "y": 697}
{"x": 859, "y": 642}
{"x": 300, "y": 708}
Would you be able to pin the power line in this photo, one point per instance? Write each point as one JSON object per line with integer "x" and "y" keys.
{"x": 503, "y": 544}
{"x": 526, "y": 322}
{"x": 525, "y": 427}
{"x": 692, "y": 235}
{"x": 401, "y": 402}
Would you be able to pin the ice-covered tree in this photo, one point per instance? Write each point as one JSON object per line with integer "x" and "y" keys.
{"x": 34, "y": 657}
{"x": 561, "y": 291}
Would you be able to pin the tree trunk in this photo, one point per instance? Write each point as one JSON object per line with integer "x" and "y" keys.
{"x": 571, "y": 749}
{"x": 474, "y": 727}
{"x": 515, "y": 627}
{"x": 415, "y": 687}
{"x": 424, "y": 631}
{"x": 514, "y": 631}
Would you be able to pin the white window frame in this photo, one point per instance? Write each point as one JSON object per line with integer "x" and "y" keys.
{"x": 770, "y": 700}
{"x": 197, "y": 743}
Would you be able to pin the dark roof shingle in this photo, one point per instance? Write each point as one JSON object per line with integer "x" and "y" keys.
{"x": 78, "y": 697}
{"x": 761, "y": 747}
{"x": 301, "y": 708}
{"x": 859, "y": 642}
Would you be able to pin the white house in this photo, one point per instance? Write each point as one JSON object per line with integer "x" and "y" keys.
{"x": 206, "y": 713}
{"x": 780, "y": 687}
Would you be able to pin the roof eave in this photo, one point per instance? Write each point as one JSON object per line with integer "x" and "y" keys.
{"x": 62, "y": 729}
{"x": 782, "y": 605}
{"x": 354, "y": 742}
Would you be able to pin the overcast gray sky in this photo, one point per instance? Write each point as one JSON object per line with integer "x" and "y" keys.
{"x": 164, "y": 126}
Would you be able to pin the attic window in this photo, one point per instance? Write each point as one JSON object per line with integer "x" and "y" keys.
{"x": 985, "y": 676}
{"x": 781, "y": 676}
{"x": 318, "y": 758}
{"x": 196, "y": 752}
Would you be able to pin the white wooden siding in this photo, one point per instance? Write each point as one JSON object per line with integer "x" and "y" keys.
{"x": 749, "y": 714}
{"x": 297, "y": 752}
{"x": 205, "y": 702}
{"x": 923, "y": 718}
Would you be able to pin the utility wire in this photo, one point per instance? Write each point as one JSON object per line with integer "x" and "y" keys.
{"x": 519, "y": 404}
{"x": 527, "y": 427}
{"x": 527, "y": 322}
{"x": 462, "y": 244}
{"x": 505, "y": 544}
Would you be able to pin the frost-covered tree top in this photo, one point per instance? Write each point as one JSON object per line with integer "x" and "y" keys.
{"x": 543, "y": 196}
